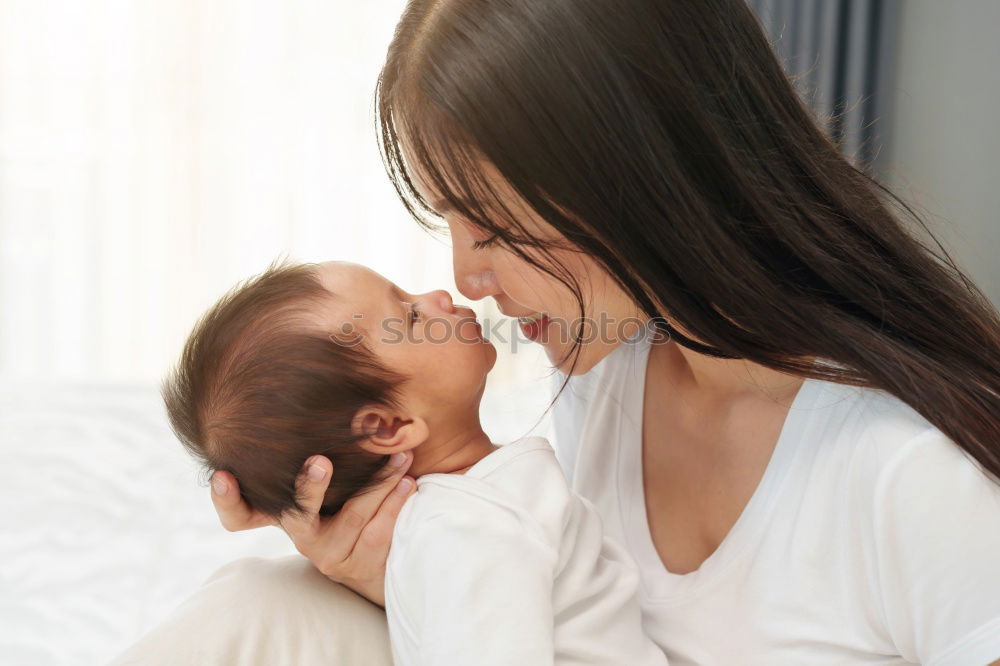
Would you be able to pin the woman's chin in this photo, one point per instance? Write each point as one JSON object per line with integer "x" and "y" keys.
{"x": 569, "y": 361}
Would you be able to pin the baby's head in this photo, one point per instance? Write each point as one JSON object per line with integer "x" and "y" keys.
{"x": 329, "y": 359}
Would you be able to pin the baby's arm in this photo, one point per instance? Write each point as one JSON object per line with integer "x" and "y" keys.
{"x": 475, "y": 585}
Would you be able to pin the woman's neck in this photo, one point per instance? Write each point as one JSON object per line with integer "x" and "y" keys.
{"x": 719, "y": 380}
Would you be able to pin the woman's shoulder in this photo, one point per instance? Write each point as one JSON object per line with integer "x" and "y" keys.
{"x": 871, "y": 419}
{"x": 930, "y": 515}
{"x": 884, "y": 446}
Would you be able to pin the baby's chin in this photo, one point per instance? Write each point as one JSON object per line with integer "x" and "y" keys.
{"x": 479, "y": 372}
{"x": 478, "y": 354}
{"x": 489, "y": 362}
{"x": 469, "y": 369}
{"x": 491, "y": 355}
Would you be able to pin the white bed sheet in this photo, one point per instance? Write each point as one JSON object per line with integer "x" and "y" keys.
{"x": 107, "y": 524}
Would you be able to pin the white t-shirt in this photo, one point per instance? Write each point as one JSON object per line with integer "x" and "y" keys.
{"x": 871, "y": 539}
{"x": 505, "y": 565}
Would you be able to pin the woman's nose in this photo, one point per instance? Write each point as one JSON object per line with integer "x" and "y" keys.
{"x": 478, "y": 285}
{"x": 475, "y": 278}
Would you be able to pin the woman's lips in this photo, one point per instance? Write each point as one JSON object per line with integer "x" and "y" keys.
{"x": 532, "y": 328}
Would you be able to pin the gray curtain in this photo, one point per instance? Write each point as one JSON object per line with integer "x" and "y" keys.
{"x": 839, "y": 55}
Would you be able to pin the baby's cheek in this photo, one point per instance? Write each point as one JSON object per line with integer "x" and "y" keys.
{"x": 444, "y": 365}
{"x": 436, "y": 333}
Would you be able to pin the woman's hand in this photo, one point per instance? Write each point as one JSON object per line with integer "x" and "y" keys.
{"x": 349, "y": 547}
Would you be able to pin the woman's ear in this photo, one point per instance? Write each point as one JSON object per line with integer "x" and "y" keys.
{"x": 386, "y": 432}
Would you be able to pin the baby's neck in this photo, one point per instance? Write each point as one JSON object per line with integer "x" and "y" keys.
{"x": 451, "y": 450}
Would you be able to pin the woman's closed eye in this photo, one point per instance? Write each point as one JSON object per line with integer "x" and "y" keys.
{"x": 488, "y": 242}
{"x": 414, "y": 315}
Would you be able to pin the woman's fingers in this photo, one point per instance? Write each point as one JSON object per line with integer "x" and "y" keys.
{"x": 349, "y": 547}
{"x": 339, "y": 536}
{"x": 364, "y": 569}
{"x": 373, "y": 544}
{"x": 311, "y": 486}
{"x": 234, "y": 513}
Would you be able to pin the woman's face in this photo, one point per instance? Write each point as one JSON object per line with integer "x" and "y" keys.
{"x": 547, "y": 310}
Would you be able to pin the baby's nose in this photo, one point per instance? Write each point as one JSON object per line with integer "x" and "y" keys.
{"x": 443, "y": 298}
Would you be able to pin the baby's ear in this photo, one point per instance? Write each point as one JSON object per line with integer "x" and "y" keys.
{"x": 385, "y": 432}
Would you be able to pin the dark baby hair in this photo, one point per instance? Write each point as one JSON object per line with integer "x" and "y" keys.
{"x": 260, "y": 388}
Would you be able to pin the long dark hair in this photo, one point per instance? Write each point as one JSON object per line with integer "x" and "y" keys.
{"x": 663, "y": 139}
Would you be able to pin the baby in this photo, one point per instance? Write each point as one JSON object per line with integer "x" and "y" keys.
{"x": 494, "y": 560}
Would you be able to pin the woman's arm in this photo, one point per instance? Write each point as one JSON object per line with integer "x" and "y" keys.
{"x": 350, "y": 547}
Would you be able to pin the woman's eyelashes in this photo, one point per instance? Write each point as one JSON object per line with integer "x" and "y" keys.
{"x": 488, "y": 242}
{"x": 414, "y": 315}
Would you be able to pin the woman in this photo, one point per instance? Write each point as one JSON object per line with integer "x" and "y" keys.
{"x": 805, "y": 469}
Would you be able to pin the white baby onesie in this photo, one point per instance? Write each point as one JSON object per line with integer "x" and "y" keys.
{"x": 506, "y": 565}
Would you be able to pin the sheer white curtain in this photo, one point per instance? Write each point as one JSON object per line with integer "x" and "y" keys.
{"x": 154, "y": 153}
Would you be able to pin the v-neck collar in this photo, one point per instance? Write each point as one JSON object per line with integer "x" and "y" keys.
{"x": 659, "y": 584}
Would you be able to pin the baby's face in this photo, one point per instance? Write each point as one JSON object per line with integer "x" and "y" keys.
{"x": 438, "y": 345}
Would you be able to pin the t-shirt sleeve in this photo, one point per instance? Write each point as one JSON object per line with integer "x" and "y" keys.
{"x": 937, "y": 529}
{"x": 480, "y": 586}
